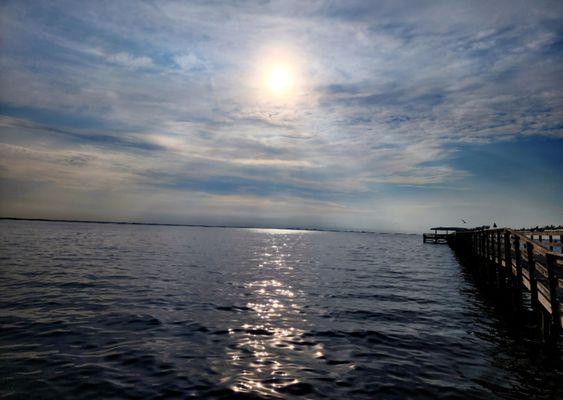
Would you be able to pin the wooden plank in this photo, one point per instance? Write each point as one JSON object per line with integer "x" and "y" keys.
{"x": 543, "y": 290}
{"x": 543, "y": 233}
{"x": 544, "y": 302}
{"x": 541, "y": 269}
{"x": 551, "y": 244}
{"x": 521, "y": 233}
{"x": 537, "y": 247}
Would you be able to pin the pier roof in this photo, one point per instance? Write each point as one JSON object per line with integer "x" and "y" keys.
{"x": 448, "y": 228}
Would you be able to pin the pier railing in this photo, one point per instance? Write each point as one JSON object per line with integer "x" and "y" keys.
{"x": 517, "y": 261}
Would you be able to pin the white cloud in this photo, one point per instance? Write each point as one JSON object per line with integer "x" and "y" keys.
{"x": 388, "y": 91}
{"x": 129, "y": 61}
{"x": 189, "y": 61}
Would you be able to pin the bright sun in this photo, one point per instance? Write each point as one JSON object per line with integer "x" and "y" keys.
{"x": 277, "y": 75}
{"x": 279, "y": 79}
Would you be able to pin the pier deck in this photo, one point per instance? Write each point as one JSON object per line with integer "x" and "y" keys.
{"x": 519, "y": 261}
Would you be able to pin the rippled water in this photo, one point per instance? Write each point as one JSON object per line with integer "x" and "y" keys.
{"x": 118, "y": 311}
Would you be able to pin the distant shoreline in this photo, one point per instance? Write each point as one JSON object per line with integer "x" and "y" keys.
{"x": 194, "y": 225}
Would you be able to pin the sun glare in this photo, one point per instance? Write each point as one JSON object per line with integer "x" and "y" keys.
{"x": 279, "y": 79}
{"x": 277, "y": 75}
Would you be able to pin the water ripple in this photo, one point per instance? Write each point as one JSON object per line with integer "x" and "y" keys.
{"x": 109, "y": 311}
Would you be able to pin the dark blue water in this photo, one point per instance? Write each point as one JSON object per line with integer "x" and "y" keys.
{"x": 117, "y": 311}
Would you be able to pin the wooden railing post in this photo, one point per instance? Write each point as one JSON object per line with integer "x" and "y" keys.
{"x": 499, "y": 250}
{"x": 485, "y": 244}
{"x": 518, "y": 262}
{"x": 507, "y": 255}
{"x": 532, "y": 272}
{"x": 494, "y": 251}
{"x": 552, "y": 277}
{"x": 495, "y": 248}
{"x": 517, "y": 290}
{"x": 501, "y": 270}
{"x": 488, "y": 264}
{"x": 488, "y": 245}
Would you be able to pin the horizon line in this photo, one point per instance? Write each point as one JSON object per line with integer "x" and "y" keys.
{"x": 339, "y": 230}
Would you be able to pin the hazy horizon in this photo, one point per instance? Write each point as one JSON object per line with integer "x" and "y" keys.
{"x": 383, "y": 116}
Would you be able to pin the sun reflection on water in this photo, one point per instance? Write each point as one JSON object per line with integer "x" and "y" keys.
{"x": 270, "y": 336}
{"x": 276, "y": 231}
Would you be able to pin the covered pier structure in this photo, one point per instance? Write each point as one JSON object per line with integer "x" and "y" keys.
{"x": 440, "y": 234}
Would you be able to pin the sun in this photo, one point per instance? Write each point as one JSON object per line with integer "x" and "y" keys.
{"x": 277, "y": 74}
{"x": 279, "y": 79}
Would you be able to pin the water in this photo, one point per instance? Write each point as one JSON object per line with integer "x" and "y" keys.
{"x": 117, "y": 311}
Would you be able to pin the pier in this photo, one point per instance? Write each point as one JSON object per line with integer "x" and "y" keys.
{"x": 440, "y": 234}
{"x": 524, "y": 267}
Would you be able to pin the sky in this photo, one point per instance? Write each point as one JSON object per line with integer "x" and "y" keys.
{"x": 378, "y": 115}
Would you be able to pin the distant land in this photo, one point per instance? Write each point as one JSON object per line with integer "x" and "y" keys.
{"x": 293, "y": 228}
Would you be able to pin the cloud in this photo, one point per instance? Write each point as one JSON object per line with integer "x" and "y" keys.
{"x": 190, "y": 62}
{"x": 129, "y": 61}
{"x": 79, "y": 136}
{"x": 166, "y": 96}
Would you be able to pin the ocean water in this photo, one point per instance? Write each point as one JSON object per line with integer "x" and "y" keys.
{"x": 120, "y": 311}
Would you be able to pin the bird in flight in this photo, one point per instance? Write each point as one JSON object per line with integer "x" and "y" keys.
{"x": 464, "y": 221}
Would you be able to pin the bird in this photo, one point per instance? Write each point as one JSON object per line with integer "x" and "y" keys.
{"x": 464, "y": 221}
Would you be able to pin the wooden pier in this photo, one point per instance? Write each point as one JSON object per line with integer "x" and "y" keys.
{"x": 442, "y": 237}
{"x": 515, "y": 263}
